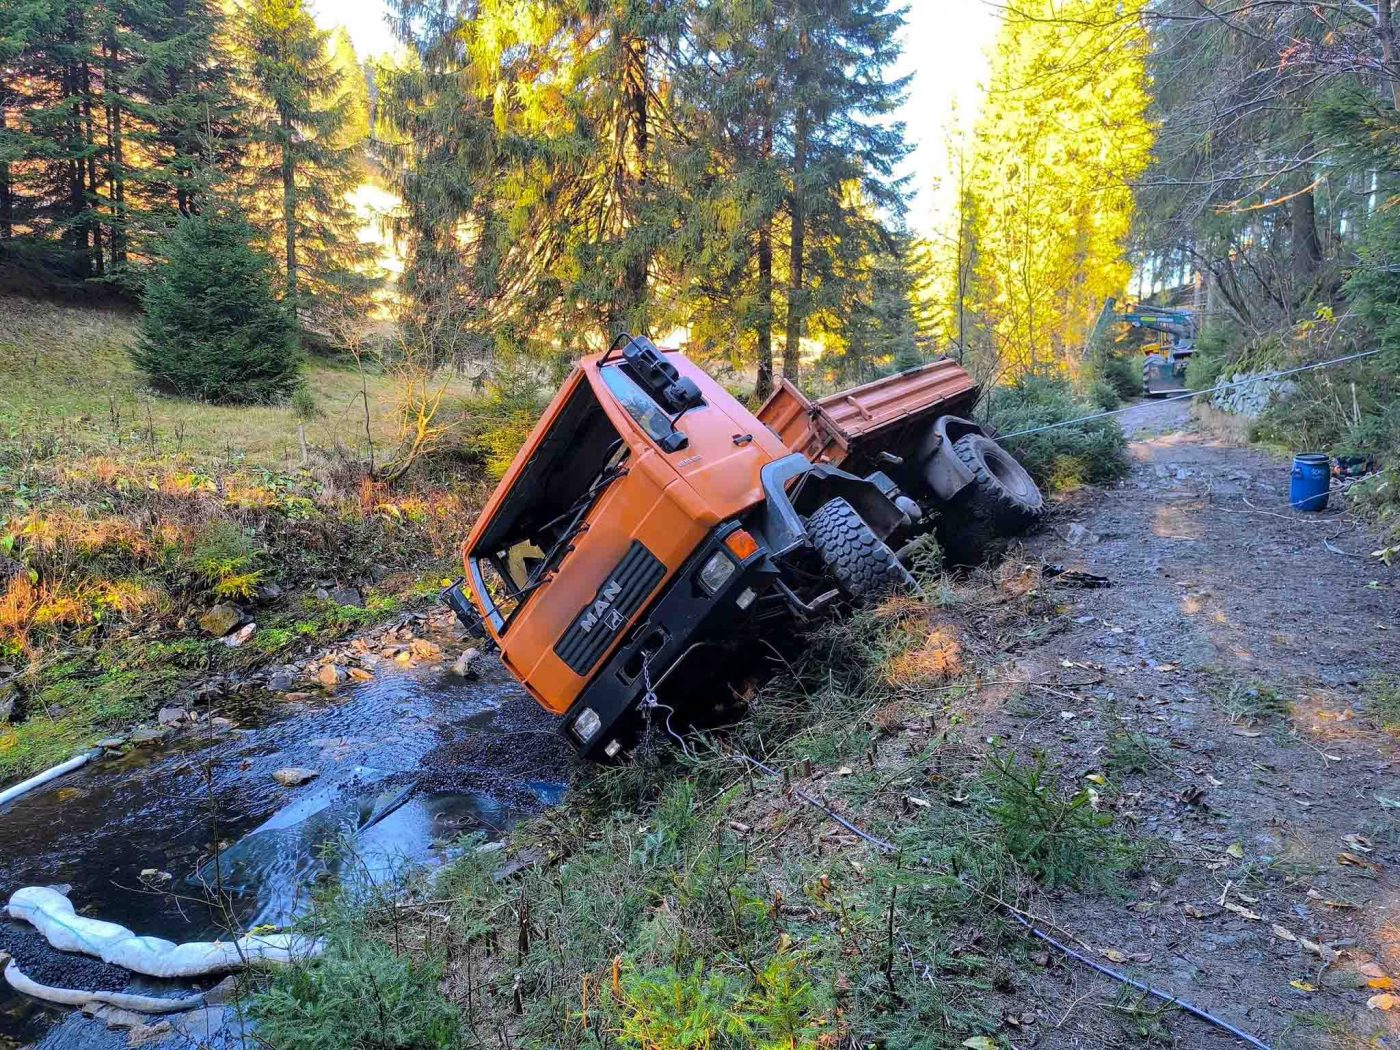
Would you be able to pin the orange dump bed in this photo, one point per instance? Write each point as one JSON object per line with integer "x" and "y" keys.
{"x": 865, "y": 420}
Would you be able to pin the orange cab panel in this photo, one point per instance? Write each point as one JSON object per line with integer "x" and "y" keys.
{"x": 608, "y": 516}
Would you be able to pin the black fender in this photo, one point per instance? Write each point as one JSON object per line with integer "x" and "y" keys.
{"x": 944, "y": 474}
{"x": 794, "y": 487}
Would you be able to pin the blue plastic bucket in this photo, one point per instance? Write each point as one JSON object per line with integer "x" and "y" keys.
{"x": 1311, "y": 478}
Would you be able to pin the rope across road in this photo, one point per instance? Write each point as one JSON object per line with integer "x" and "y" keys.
{"x": 1266, "y": 377}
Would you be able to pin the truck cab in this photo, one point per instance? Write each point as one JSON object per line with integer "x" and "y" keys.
{"x": 650, "y": 515}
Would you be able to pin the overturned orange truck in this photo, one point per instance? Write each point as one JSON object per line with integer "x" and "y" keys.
{"x": 652, "y": 521}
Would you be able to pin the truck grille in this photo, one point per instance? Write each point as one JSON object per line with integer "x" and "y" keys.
{"x": 612, "y": 608}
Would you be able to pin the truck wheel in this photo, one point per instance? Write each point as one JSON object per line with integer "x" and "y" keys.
{"x": 862, "y": 563}
{"x": 1002, "y": 494}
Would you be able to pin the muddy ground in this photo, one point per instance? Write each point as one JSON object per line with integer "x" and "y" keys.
{"x": 1235, "y": 661}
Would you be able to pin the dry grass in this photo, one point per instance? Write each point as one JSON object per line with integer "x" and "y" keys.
{"x": 1224, "y": 426}
{"x": 66, "y": 378}
{"x": 121, "y": 511}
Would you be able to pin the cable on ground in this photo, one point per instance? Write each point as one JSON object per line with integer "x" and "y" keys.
{"x": 885, "y": 846}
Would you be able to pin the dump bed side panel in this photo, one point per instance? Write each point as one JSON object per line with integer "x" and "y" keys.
{"x": 789, "y": 414}
{"x": 863, "y": 411}
{"x": 868, "y": 418}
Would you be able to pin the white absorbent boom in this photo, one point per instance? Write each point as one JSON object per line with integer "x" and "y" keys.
{"x": 52, "y": 914}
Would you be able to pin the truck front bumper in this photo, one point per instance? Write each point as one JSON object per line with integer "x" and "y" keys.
{"x": 603, "y": 720}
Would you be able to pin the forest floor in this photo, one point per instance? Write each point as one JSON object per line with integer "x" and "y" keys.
{"x": 126, "y": 517}
{"x": 1242, "y": 714}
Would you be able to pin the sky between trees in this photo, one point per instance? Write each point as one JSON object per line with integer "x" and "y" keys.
{"x": 945, "y": 53}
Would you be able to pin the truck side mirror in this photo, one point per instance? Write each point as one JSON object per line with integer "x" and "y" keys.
{"x": 683, "y": 394}
{"x": 674, "y": 442}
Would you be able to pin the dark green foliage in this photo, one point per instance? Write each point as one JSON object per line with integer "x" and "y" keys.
{"x": 1124, "y": 375}
{"x": 212, "y": 328}
{"x": 1213, "y": 351}
{"x": 1054, "y": 834}
{"x": 499, "y": 419}
{"x": 300, "y": 169}
{"x": 739, "y": 156}
{"x": 360, "y": 993}
{"x": 115, "y": 113}
{"x": 1086, "y": 453}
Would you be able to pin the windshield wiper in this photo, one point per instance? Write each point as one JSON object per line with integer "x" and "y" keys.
{"x": 579, "y": 511}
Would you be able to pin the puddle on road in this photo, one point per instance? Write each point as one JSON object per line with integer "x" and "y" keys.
{"x": 409, "y": 763}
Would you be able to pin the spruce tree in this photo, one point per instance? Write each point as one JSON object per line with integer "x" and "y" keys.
{"x": 112, "y": 115}
{"x": 837, "y": 99}
{"x": 299, "y": 168}
{"x": 213, "y": 329}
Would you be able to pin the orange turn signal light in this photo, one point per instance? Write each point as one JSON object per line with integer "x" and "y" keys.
{"x": 741, "y": 544}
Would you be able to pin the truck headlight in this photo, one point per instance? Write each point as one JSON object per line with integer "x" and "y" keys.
{"x": 715, "y": 573}
{"x": 587, "y": 724}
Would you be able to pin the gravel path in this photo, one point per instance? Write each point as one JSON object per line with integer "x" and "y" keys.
{"x": 1240, "y": 648}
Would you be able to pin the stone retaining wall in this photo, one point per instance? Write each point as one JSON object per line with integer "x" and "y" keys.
{"x": 1251, "y": 399}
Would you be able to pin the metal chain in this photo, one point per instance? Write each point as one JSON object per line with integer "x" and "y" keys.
{"x": 650, "y": 703}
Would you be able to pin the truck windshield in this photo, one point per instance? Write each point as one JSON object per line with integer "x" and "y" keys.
{"x": 571, "y": 467}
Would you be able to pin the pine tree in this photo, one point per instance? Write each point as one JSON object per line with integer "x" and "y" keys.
{"x": 106, "y": 116}
{"x": 583, "y": 166}
{"x": 356, "y": 87}
{"x": 842, "y": 150}
{"x": 212, "y": 329}
{"x": 50, "y": 143}
{"x": 299, "y": 171}
{"x": 726, "y": 185}
{"x": 1061, "y": 138}
{"x": 186, "y": 123}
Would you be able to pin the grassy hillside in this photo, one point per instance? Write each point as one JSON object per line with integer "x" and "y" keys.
{"x": 66, "y": 379}
{"x": 125, "y": 515}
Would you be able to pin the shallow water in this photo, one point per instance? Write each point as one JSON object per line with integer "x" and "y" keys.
{"x": 409, "y": 763}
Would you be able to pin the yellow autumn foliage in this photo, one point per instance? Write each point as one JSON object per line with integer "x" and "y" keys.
{"x": 1046, "y": 184}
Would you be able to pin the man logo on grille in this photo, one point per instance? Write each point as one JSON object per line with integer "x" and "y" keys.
{"x": 602, "y": 607}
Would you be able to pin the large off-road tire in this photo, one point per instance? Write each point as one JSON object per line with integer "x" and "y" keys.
{"x": 1002, "y": 492}
{"x": 862, "y": 564}
{"x": 1001, "y": 501}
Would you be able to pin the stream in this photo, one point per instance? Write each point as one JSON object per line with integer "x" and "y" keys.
{"x": 408, "y": 764}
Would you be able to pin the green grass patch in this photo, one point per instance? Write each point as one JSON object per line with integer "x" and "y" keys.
{"x": 1253, "y": 702}
{"x": 1383, "y": 701}
{"x": 72, "y": 703}
{"x": 678, "y": 902}
{"x": 1137, "y": 753}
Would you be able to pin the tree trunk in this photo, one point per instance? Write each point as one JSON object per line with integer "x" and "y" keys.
{"x": 90, "y": 143}
{"x": 633, "y": 180}
{"x": 116, "y": 159}
{"x": 289, "y": 208}
{"x": 1385, "y": 30}
{"x": 764, "y": 385}
{"x": 796, "y": 306}
{"x": 7, "y": 191}
{"x": 1307, "y": 248}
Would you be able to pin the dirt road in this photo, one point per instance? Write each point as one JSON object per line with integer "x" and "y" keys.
{"x": 1240, "y": 661}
